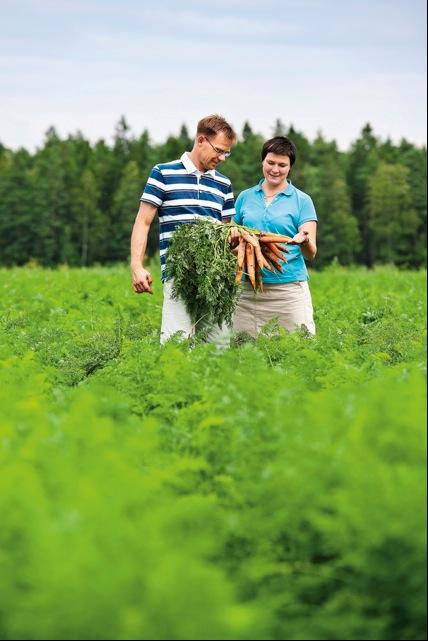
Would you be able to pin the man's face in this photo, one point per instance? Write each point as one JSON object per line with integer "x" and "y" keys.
{"x": 213, "y": 150}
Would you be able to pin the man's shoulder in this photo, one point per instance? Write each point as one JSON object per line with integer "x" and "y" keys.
{"x": 173, "y": 165}
{"x": 221, "y": 178}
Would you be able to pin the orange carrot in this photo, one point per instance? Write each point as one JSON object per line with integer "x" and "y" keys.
{"x": 241, "y": 252}
{"x": 274, "y": 249}
{"x": 249, "y": 238}
{"x": 261, "y": 261}
{"x": 249, "y": 250}
{"x": 274, "y": 238}
{"x": 282, "y": 247}
{"x": 259, "y": 278}
{"x": 272, "y": 258}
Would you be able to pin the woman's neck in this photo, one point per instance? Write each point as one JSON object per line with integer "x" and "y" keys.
{"x": 272, "y": 191}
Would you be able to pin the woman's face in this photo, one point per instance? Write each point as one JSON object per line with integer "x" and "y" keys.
{"x": 276, "y": 169}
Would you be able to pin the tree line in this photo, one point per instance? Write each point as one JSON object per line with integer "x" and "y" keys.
{"x": 73, "y": 202}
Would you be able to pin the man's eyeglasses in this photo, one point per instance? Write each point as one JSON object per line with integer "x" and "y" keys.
{"x": 219, "y": 152}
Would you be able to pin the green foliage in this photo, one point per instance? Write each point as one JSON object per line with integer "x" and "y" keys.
{"x": 123, "y": 211}
{"x": 325, "y": 181}
{"x": 203, "y": 270}
{"x": 272, "y": 491}
{"x": 74, "y": 203}
{"x": 362, "y": 163}
{"x": 391, "y": 221}
{"x": 90, "y": 231}
{"x": 16, "y": 207}
{"x": 243, "y": 167}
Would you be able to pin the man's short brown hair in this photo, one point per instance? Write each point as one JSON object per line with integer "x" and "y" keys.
{"x": 213, "y": 125}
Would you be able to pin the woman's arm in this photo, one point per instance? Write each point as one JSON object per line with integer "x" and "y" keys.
{"x": 306, "y": 238}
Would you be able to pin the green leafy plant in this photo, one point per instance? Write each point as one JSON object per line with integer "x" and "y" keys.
{"x": 203, "y": 271}
{"x": 276, "y": 490}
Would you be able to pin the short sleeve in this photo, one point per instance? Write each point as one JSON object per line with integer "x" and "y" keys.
{"x": 154, "y": 191}
{"x": 307, "y": 211}
{"x": 238, "y": 209}
{"x": 228, "y": 206}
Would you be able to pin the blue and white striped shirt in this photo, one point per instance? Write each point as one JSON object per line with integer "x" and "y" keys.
{"x": 182, "y": 193}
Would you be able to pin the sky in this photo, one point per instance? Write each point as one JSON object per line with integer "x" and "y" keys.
{"x": 326, "y": 66}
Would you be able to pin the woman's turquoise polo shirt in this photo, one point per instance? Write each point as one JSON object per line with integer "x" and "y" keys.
{"x": 284, "y": 215}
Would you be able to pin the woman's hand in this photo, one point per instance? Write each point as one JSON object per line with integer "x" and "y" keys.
{"x": 301, "y": 238}
{"x": 306, "y": 239}
{"x": 234, "y": 238}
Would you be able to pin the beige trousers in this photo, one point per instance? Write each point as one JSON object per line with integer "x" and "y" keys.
{"x": 176, "y": 319}
{"x": 291, "y": 303}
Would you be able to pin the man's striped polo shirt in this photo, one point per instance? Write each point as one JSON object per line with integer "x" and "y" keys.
{"x": 182, "y": 193}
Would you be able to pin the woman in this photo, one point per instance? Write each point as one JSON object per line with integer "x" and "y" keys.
{"x": 275, "y": 205}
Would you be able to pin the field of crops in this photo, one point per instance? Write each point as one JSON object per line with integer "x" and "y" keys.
{"x": 275, "y": 490}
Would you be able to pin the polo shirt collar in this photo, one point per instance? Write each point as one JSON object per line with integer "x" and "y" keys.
{"x": 287, "y": 192}
{"x": 190, "y": 167}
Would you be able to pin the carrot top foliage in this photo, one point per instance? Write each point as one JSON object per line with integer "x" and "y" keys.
{"x": 203, "y": 268}
{"x": 206, "y": 273}
{"x": 274, "y": 490}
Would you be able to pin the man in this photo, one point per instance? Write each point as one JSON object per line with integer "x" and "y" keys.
{"x": 181, "y": 191}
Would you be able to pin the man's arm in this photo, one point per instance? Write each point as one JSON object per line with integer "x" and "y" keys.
{"x": 141, "y": 278}
{"x": 228, "y": 210}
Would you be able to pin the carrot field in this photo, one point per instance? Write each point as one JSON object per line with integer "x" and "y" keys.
{"x": 275, "y": 490}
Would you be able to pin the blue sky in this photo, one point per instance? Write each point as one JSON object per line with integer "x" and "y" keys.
{"x": 329, "y": 65}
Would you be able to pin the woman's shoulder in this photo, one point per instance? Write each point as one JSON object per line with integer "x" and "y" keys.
{"x": 302, "y": 195}
{"x": 305, "y": 205}
{"x": 303, "y": 199}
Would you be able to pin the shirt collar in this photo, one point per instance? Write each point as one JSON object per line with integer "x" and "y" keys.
{"x": 190, "y": 167}
{"x": 287, "y": 192}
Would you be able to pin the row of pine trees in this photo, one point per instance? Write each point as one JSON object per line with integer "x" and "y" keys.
{"x": 73, "y": 202}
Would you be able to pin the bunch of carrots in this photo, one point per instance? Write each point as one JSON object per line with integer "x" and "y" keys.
{"x": 257, "y": 250}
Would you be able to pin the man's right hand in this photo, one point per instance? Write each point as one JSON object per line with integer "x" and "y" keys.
{"x": 142, "y": 281}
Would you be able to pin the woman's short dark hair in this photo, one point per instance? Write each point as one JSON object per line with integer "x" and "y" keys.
{"x": 281, "y": 146}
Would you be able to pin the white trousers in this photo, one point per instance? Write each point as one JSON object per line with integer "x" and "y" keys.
{"x": 176, "y": 319}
